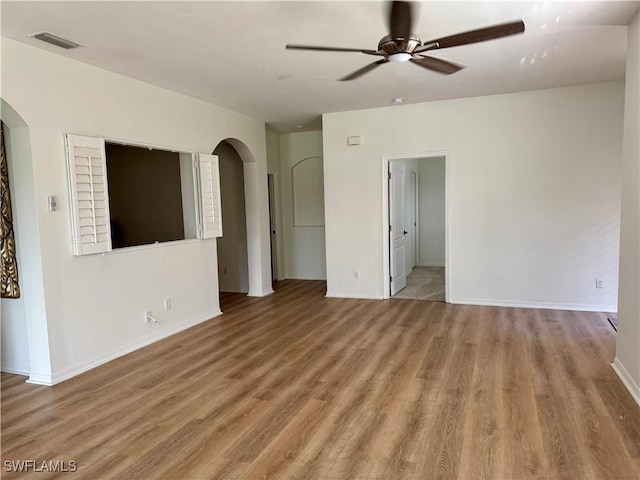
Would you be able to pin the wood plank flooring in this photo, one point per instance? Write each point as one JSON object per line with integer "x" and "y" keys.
{"x": 299, "y": 386}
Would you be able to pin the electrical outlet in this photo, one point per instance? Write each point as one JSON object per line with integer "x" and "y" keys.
{"x": 147, "y": 314}
{"x": 167, "y": 304}
{"x": 356, "y": 274}
{"x": 225, "y": 271}
{"x": 599, "y": 283}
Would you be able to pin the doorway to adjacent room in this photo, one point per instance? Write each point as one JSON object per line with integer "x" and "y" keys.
{"x": 415, "y": 213}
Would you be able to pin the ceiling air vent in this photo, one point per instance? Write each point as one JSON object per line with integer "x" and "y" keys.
{"x": 56, "y": 40}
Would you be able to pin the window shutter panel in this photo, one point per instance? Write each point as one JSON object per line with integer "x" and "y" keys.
{"x": 210, "y": 206}
{"x": 86, "y": 162}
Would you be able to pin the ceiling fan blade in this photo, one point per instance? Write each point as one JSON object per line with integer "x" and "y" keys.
{"x": 473, "y": 36}
{"x": 331, "y": 49}
{"x": 400, "y": 19}
{"x": 363, "y": 70}
{"x": 436, "y": 64}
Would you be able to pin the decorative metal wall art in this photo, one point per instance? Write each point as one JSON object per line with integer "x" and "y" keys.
{"x": 10, "y": 287}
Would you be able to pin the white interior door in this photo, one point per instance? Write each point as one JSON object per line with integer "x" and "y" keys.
{"x": 397, "y": 231}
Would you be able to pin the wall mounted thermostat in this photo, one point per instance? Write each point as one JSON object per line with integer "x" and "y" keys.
{"x": 53, "y": 205}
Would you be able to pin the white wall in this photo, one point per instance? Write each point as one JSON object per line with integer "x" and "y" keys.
{"x": 534, "y": 202}
{"x": 627, "y": 362}
{"x": 233, "y": 268}
{"x": 95, "y": 304}
{"x": 304, "y": 246}
{"x": 431, "y": 173}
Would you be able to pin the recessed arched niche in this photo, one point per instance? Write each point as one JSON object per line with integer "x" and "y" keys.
{"x": 308, "y": 192}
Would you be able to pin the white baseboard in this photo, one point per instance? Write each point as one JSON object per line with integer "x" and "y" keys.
{"x": 16, "y": 368}
{"x": 628, "y": 382}
{"x": 40, "y": 379}
{"x": 74, "y": 370}
{"x": 260, "y": 293}
{"x": 432, "y": 265}
{"x": 544, "y": 305}
{"x": 363, "y": 296}
{"x": 250, "y": 293}
{"x": 320, "y": 279}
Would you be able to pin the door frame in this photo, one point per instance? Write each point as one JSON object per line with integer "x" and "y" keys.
{"x": 273, "y": 222}
{"x": 414, "y": 180}
{"x": 386, "y": 290}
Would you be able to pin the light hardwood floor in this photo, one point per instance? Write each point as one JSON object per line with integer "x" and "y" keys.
{"x": 298, "y": 386}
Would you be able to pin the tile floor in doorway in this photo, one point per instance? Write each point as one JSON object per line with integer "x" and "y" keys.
{"x": 424, "y": 283}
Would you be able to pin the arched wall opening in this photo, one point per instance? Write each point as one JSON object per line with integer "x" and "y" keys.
{"x": 25, "y": 343}
{"x": 257, "y": 228}
{"x": 233, "y": 263}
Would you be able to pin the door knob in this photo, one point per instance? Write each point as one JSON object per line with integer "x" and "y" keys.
{"x": 405, "y": 232}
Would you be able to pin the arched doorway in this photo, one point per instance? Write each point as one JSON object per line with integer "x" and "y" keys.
{"x": 233, "y": 262}
{"x": 25, "y": 343}
{"x": 256, "y": 218}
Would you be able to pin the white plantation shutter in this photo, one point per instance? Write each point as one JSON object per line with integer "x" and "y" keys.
{"x": 210, "y": 207}
{"x": 86, "y": 162}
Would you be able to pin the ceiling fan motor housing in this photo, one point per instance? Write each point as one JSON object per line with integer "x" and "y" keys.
{"x": 391, "y": 46}
{"x": 401, "y": 45}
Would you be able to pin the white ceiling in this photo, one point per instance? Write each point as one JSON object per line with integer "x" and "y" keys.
{"x": 233, "y": 54}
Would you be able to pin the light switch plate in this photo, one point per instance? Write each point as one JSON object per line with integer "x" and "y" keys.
{"x": 52, "y": 203}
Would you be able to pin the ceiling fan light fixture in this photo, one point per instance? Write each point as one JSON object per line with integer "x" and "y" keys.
{"x": 399, "y": 57}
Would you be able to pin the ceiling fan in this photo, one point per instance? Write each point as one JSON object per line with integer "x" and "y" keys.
{"x": 403, "y": 45}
